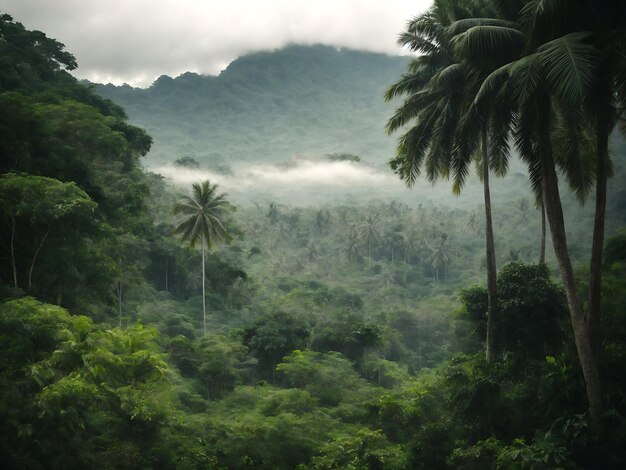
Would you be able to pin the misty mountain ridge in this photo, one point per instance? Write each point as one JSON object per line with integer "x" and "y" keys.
{"x": 297, "y": 104}
{"x": 269, "y": 107}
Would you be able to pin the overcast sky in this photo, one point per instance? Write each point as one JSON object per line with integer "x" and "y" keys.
{"x": 135, "y": 41}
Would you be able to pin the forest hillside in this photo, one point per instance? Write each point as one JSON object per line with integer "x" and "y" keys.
{"x": 269, "y": 106}
{"x": 152, "y": 320}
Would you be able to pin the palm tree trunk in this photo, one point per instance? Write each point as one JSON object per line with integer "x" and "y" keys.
{"x": 595, "y": 268}
{"x": 203, "y": 289}
{"x": 582, "y": 339}
{"x": 490, "y": 352}
{"x": 542, "y": 251}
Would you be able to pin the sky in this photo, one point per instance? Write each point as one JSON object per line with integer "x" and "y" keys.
{"x": 136, "y": 41}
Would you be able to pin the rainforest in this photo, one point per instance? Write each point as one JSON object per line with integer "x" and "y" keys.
{"x": 322, "y": 258}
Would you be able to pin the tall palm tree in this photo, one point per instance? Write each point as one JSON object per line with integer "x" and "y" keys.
{"x": 203, "y": 220}
{"x": 440, "y": 87}
{"x": 571, "y": 78}
{"x": 352, "y": 246}
{"x": 581, "y": 47}
{"x": 369, "y": 234}
{"x": 439, "y": 259}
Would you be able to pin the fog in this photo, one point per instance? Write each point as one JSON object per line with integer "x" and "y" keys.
{"x": 305, "y": 182}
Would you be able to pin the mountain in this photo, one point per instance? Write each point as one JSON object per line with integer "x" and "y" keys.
{"x": 269, "y": 107}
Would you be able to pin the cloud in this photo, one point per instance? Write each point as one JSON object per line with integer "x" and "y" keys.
{"x": 302, "y": 182}
{"x": 135, "y": 41}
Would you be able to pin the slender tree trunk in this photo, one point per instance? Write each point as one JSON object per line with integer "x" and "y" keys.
{"x": 490, "y": 351}
{"x": 32, "y": 263}
{"x": 584, "y": 348}
{"x": 542, "y": 251}
{"x": 13, "y": 264}
{"x": 203, "y": 289}
{"x": 119, "y": 300}
{"x": 595, "y": 268}
{"x": 166, "y": 275}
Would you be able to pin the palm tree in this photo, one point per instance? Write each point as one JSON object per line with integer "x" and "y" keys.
{"x": 203, "y": 220}
{"x": 572, "y": 72}
{"x": 440, "y": 87}
{"x": 585, "y": 69}
{"x": 439, "y": 259}
{"x": 351, "y": 247}
{"x": 369, "y": 234}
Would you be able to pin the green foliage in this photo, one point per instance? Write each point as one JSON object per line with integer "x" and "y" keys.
{"x": 187, "y": 162}
{"x": 72, "y": 378}
{"x": 360, "y": 450}
{"x": 363, "y": 362}
{"x": 531, "y": 310}
{"x": 30, "y": 57}
{"x": 274, "y": 428}
{"x": 38, "y": 209}
{"x": 274, "y": 336}
{"x": 328, "y": 377}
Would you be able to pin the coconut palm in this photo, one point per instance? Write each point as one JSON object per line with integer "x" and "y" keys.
{"x": 446, "y": 136}
{"x": 369, "y": 234}
{"x": 580, "y": 47}
{"x": 571, "y": 79}
{"x": 439, "y": 259}
{"x": 203, "y": 218}
{"x": 352, "y": 246}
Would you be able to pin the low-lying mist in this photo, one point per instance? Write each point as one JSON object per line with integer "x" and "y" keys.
{"x": 308, "y": 182}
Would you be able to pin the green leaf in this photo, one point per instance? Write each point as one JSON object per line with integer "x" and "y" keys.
{"x": 570, "y": 64}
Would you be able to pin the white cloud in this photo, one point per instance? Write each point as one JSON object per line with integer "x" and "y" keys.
{"x": 135, "y": 41}
{"x": 300, "y": 182}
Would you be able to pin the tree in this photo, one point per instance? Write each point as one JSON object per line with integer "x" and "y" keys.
{"x": 532, "y": 309}
{"x": 351, "y": 247}
{"x": 29, "y": 57}
{"x": 272, "y": 337}
{"x": 369, "y": 234}
{"x": 187, "y": 162}
{"x": 33, "y": 207}
{"x": 445, "y": 136}
{"x": 569, "y": 79}
{"x": 439, "y": 259}
{"x": 203, "y": 220}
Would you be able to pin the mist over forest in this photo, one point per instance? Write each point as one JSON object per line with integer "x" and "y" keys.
{"x": 269, "y": 128}
{"x": 268, "y": 268}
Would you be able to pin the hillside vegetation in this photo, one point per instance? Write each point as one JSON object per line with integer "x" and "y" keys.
{"x": 148, "y": 325}
{"x": 269, "y": 106}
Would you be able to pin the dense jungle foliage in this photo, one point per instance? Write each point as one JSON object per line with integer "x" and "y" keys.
{"x": 337, "y": 336}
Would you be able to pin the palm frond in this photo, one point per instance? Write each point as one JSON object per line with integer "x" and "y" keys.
{"x": 463, "y": 25}
{"x": 493, "y": 43}
{"x": 408, "y": 84}
{"x": 203, "y": 214}
{"x": 489, "y": 88}
{"x": 425, "y": 26}
{"x": 412, "y": 148}
{"x": 449, "y": 79}
{"x": 410, "y": 110}
{"x": 569, "y": 62}
{"x": 466, "y": 146}
{"x": 574, "y": 153}
{"x": 527, "y": 76}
